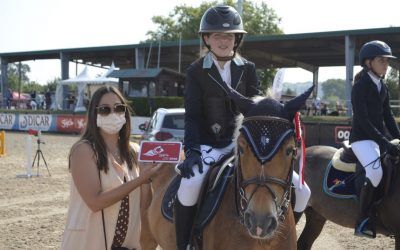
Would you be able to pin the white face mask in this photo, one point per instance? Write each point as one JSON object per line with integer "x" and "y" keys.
{"x": 112, "y": 123}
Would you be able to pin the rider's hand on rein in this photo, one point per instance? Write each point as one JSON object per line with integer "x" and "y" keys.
{"x": 393, "y": 150}
{"x": 193, "y": 157}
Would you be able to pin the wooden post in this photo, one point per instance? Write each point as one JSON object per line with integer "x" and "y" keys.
{"x": 2, "y": 143}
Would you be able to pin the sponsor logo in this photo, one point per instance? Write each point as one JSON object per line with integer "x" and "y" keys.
{"x": 155, "y": 151}
{"x": 66, "y": 123}
{"x": 39, "y": 122}
{"x": 80, "y": 123}
{"x": 7, "y": 121}
{"x": 342, "y": 133}
{"x": 70, "y": 123}
{"x": 264, "y": 140}
{"x": 160, "y": 151}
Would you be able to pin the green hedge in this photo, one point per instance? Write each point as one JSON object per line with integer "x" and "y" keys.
{"x": 140, "y": 106}
{"x": 47, "y": 112}
{"x": 143, "y": 106}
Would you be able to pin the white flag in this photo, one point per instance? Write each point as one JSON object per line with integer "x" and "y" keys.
{"x": 278, "y": 84}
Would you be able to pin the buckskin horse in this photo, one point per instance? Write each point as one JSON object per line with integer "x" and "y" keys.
{"x": 255, "y": 211}
{"x": 343, "y": 211}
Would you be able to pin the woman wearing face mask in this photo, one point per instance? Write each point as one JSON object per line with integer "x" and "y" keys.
{"x": 372, "y": 115}
{"x": 105, "y": 196}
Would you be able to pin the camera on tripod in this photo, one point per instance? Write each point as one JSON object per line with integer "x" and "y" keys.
{"x": 39, "y": 153}
{"x": 38, "y": 134}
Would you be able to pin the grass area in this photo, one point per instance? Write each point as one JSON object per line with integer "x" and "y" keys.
{"x": 326, "y": 119}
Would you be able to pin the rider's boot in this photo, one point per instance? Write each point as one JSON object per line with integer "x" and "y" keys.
{"x": 184, "y": 217}
{"x": 364, "y": 228}
{"x": 297, "y": 216}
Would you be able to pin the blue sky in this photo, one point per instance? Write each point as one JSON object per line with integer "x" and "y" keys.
{"x": 27, "y": 25}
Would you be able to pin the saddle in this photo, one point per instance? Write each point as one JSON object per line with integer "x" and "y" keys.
{"x": 210, "y": 197}
{"x": 345, "y": 174}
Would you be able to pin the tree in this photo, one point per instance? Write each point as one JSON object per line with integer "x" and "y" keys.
{"x": 185, "y": 20}
{"x": 13, "y": 75}
{"x": 32, "y": 86}
{"x": 333, "y": 89}
{"x": 392, "y": 82}
{"x": 52, "y": 84}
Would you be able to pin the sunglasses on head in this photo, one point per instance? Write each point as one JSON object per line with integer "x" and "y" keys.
{"x": 106, "y": 110}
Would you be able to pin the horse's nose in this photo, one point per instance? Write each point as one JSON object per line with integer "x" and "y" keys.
{"x": 260, "y": 225}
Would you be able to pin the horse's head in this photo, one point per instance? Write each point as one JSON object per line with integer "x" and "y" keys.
{"x": 266, "y": 147}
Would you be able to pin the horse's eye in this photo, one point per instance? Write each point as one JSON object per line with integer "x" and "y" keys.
{"x": 289, "y": 151}
{"x": 240, "y": 148}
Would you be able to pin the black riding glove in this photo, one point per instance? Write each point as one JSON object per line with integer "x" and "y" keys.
{"x": 193, "y": 157}
{"x": 393, "y": 150}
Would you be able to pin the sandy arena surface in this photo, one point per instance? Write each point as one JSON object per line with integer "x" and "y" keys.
{"x": 33, "y": 210}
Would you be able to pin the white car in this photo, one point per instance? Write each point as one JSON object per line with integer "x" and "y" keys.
{"x": 165, "y": 125}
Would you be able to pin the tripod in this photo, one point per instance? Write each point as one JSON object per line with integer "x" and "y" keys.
{"x": 39, "y": 154}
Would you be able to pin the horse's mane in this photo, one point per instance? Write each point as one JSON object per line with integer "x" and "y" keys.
{"x": 239, "y": 118}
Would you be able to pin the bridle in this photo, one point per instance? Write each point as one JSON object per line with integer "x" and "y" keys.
{"x": 262, "y": 180}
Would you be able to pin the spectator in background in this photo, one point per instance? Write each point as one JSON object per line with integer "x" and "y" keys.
{"x": 164, "y": 92}
{"x": 86, "y": 101}
{"x": 339, "y": 107}
{"x": 71, "y": 101}
{"x": 9, "y": 98}
{"x": 324, "y": 109}
{"x": 33, "y": 104}
{"x": 39, "y": 101}
{"x": 317, "y": 106}
{"x": 47, "y": 98}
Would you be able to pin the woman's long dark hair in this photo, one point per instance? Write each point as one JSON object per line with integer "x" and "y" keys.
{"x": 93, "y": 136}
{"x": 357, "y": 77}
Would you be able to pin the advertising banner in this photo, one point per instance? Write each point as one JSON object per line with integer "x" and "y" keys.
{"x": 71, "y": 123}
{"x": 8, "y": 121}
{"x": 342, "y": 133}
{"x": 37, "y": 122}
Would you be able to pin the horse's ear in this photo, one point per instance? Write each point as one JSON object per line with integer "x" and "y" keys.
{"x": 295, "y": 104}
{"x": 244, "y": 104}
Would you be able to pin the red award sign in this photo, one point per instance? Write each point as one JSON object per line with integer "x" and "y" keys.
{"x": 160, "y": 151}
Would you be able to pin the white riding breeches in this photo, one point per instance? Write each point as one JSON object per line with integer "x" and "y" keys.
{"x": 189, "y": 190}
{"x": 368, "y": 153}
{"x": 302, "y": 194}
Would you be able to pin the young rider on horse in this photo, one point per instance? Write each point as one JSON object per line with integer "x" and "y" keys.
{"x": 210, "y": 116}
{"x": 371, "y": 113}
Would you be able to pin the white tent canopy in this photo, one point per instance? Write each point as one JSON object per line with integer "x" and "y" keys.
{"x": 83, "y": 80}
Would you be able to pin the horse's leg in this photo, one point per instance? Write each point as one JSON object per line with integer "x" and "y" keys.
{"x": 147, "y": 240}
{"x": 314, "y": 224}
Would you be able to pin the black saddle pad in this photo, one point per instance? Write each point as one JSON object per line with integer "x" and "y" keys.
{"x": 210, "y": 202}
{"x": 334, "y": 185}
{"x": 167, "y": 203}
{"x": 213, "y": 197}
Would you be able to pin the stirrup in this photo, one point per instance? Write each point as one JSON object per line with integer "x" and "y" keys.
{"x": 362, "y": 230}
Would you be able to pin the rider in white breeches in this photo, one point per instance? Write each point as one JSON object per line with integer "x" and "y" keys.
{"x": 189, "y": 190}
{"x": 367, "y": 152}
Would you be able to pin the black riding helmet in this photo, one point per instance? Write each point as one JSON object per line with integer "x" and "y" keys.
{"x": 373, "y": 49}
{"x": 222, "y": 19}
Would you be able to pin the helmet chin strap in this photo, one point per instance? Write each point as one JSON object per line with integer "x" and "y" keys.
{"x": 223, "y": 58}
